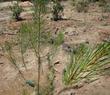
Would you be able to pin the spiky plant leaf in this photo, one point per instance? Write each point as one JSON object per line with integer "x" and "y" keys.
{"x": 86, "y": 62}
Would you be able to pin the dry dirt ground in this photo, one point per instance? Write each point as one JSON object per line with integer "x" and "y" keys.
{"x": 78, "y": 28}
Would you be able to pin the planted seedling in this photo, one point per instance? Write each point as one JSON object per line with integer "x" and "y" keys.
{"x": 57, "y": 10}
{"x": 16, "y": 9}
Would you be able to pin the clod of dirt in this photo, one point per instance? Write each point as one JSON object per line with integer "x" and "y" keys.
{"x": 71, "y": 31}
{"x": 1, "y": 63}
{"x": 66, "y": 47}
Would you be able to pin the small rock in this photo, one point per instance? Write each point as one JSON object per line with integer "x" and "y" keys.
{"x": 66, "y": 47}
{"x": 71, "y": 32}
{"x": 78, "y": 85}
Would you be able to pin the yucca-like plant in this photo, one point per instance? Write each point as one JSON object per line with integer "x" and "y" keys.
{"x": 86, "y": 62}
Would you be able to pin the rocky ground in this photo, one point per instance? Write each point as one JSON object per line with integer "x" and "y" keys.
{"x": 90, "y": 28}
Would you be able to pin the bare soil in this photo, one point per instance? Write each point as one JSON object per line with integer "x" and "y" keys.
{"x": 88, "y": 28}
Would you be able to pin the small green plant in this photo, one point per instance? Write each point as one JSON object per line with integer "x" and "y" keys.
{"x": 86, "y": 62}
{"x": 57, "y": 10}
{"x": 16, "y": 9}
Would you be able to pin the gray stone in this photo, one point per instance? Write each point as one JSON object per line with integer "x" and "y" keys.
{"x": 71, "y": 31}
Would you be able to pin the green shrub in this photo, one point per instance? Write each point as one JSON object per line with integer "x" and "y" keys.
{"x": 16, "y": 9}
{"x": 57, "y": 10}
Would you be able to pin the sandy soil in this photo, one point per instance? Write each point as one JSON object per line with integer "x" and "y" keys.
{"x": 78, "y": 28}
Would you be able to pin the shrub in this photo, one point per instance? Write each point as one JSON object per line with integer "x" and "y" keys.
{"x": 57, "y": 10}
{"x": 16, "y": 9}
